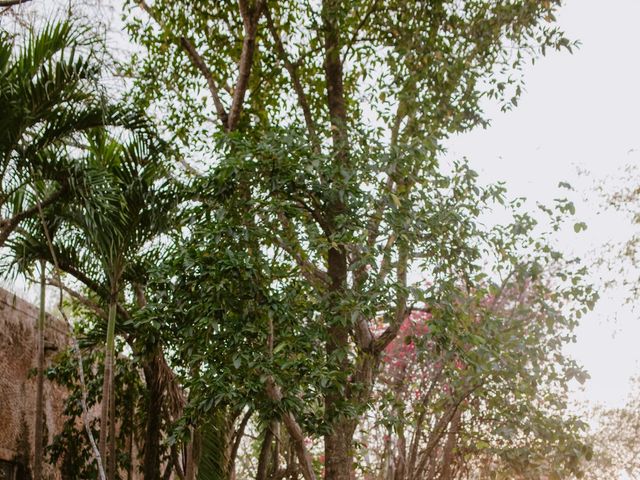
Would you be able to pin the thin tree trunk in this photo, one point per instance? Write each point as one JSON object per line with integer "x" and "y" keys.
{"x": 107, "y": 392}
{"x": 193, "y": 455}
{"x": 39, "y": 432}
{"x": 104, "y": 413}
{"x": 452, "y": 437}
{"x": 266, "y": 449}
{"x": 113, "y": 469}
{"x": 155, "y": 388}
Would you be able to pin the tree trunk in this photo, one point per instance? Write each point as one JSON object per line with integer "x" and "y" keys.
{"x": 153, "y": 428}
{"x": 338, "y": 451}
{"x": 39, "y": 432}
{"x": 448, "y": 455}
{"x": 113, "y": 469}
{"x": 107, "y": 392}
{"x": 267, "y": 452}
{"x": 192, "y": 455}
{"x": 104, "y": 414}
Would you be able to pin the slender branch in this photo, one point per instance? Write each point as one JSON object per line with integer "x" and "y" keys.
{"x": 376, "y": 219}
{"x": 304, "y": 458}
{"x": 419, "y": 422}
{"x": 385, "y": 263}
{"x": 250, "y": 18}
{"x": 401, "y": 303}
{"x": 295, "y": 80}
{"x": 200, "y": 64}
{"x": 440, "y": 428}
{"x": 237, "y": 438}
{"x": 95, "y": 287}
{"x": 54, "y": 282}
{"x": 316, "y": 213}
{"x": 365, "y": 18}
{"x": 308, "y": 269}
{"x": 11, "y": 3}
{"x": 197, "y": 61}
{"x": 275, "y": 395}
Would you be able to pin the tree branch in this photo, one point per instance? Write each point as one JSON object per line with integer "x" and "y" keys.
{"x": 250, "y": 18}
{"x": 238, "y": 434}
{"x": 198, "y": 62}
{"x": 295, "y": 80}
{"x": 401, "y": 310}
{"x": 363, "y": 21}
{"x": 11, "y": 3}
{"x": 275, "y": 395}
{"x": 79, "y": 297}
{"x": 308, "y": 269}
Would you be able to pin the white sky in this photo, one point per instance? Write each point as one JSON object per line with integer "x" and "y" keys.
{"x": 579, "y": 112}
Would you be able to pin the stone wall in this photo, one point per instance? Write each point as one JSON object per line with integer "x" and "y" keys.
{"x": 18, "y": 384}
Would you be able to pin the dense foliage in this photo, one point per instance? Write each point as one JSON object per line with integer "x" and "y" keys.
{"x": 319, "y": 296}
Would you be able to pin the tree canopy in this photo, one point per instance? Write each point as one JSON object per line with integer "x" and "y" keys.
{"x": 268, "y": 234}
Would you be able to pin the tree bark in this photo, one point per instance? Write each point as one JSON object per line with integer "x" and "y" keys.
{"x": 40, "y": 328}
{"x": 107, "y": 390}
{"x": 113, "y": 466}
{"x": 452, "y": 437}
{"x": 192, "y": 455}
{"x": 152, "y": 434}
{"x": 11, "y": 3}
{"x": 338, "y": 448}
{"x": 339, "y": 441}
{"x": 266, "y": 452}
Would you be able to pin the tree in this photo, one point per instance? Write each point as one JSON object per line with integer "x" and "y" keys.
{"x": 48, "y": 99}
{"x": 103, "y": 238}
{"x": 488, "y": 397}
{"x": 115, "y": 236}
{"x": 325, "y": 120}
{"x": 614, "y": 438}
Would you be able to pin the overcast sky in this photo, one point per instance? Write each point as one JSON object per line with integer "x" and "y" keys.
{"x": 579, "y": 113}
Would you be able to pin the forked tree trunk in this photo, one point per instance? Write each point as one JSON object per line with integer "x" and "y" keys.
{"x": 39, "y": 432}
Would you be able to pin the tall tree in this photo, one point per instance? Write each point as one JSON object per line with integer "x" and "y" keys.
{"x": 116, "y": 235}
{"x": 49, "y": 98}
{"x": 326, "y": 120}
{"x": 102, "y": 239}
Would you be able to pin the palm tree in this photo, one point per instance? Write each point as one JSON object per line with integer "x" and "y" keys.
{"x": 49, "y": 96}
{"x": 115, "y": 237}
{"x": 102, "y": 236}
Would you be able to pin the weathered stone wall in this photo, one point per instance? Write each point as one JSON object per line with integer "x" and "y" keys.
{"x": 18, "y": 384}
